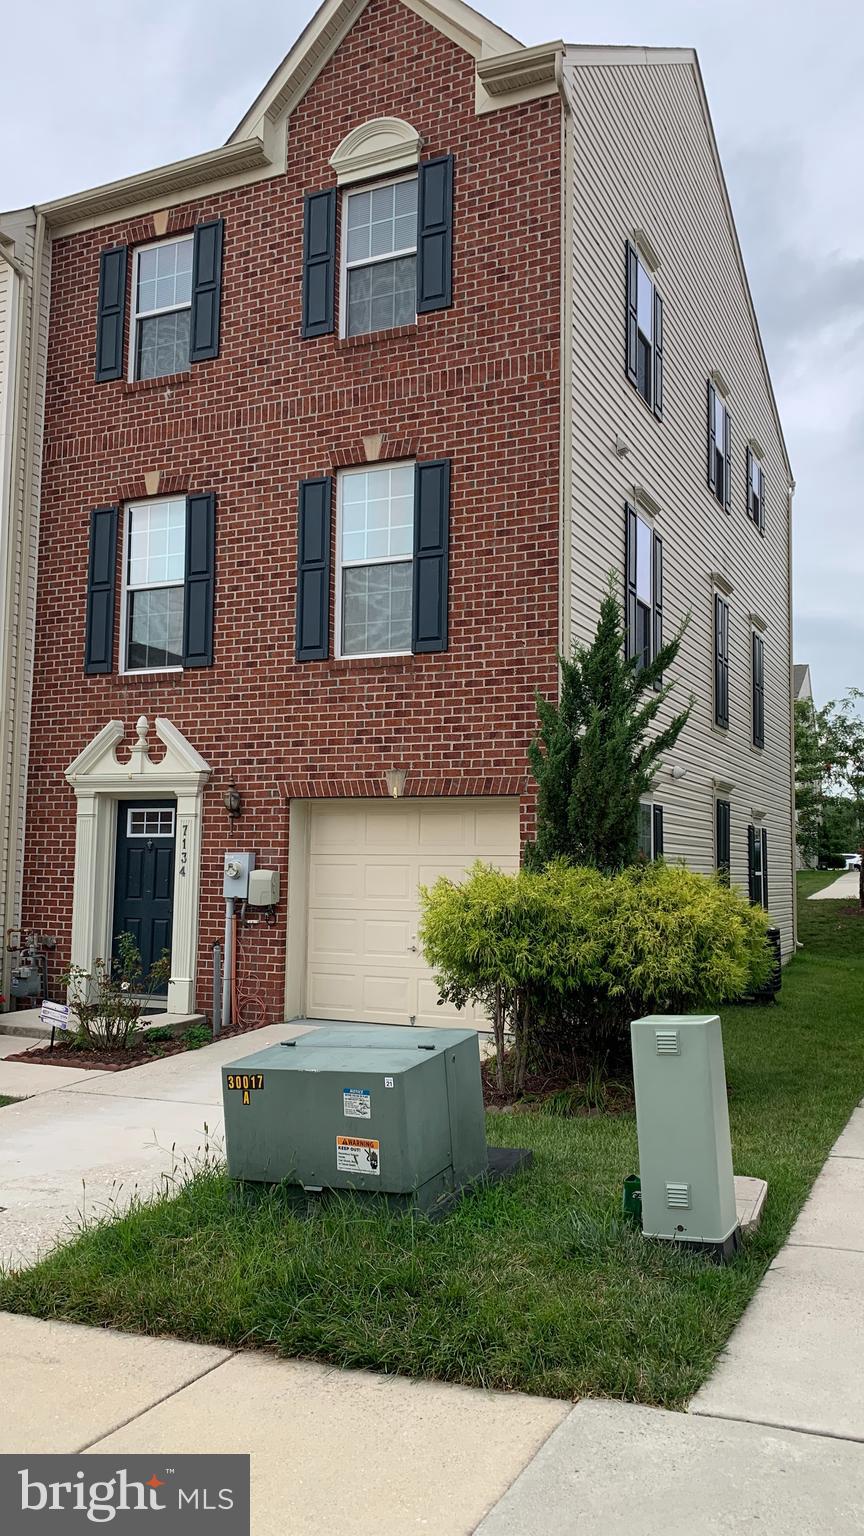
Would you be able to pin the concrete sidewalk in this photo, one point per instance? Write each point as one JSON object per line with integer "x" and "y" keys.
{"x": 774, "y": 1441}
{"x": 331, "y": 1450}
{"x": 844, "y": 888}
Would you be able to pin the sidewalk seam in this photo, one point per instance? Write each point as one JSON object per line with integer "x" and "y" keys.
{"x": 790, "y": 1429}
{"x": 122, "y": 1423}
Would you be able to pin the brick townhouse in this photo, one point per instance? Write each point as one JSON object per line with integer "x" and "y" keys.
{"x": 319, "y": 447}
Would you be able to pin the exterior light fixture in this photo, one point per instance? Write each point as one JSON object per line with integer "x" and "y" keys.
{"x": 233, "y": 801}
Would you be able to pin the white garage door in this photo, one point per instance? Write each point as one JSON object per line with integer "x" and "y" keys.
{"x": 366, "y": 861}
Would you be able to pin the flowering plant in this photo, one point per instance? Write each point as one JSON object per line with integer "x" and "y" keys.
{"x": 108, "y": 1001}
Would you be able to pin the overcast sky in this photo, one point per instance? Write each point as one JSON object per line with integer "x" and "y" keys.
{"x": 97, "y": 89}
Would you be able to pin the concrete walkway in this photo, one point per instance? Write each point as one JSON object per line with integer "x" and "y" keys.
{"x": 87, "y": 1142}
{"x": 844, "y": 888}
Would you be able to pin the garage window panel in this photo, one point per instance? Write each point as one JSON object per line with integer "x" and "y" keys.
{"x": 376, "y": 543}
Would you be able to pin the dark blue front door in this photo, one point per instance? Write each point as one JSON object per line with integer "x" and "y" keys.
{"x": 144, "y": 878}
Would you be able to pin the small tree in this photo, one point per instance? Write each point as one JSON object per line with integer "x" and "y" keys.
{"x": 108, "y": 1001}
{"x": 593, "y": 758}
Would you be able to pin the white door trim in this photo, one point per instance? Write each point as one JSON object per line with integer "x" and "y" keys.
{"x": 99, "y": 781}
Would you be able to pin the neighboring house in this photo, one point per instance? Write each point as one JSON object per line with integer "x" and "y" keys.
{"x": 802, "y": 685}
{"x": 346, "y": 425}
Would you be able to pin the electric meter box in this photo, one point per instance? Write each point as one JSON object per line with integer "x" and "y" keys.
{"x": 235, "y": 875}
{"x": 263, "y": 887}
{"x": 682, "y": 1121}
{"x": 374, "y": 1107}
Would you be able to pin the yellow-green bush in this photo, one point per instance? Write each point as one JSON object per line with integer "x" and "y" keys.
{"x": 563, "y": 958}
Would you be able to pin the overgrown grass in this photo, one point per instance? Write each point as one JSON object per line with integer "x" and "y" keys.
{"x": 4, "y": 1099}
{"x": 537, "y": 1284}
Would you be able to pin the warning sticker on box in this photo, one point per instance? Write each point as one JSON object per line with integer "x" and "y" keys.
{"x": 354, "y": 1155}
{"x": 357, "y": 1103}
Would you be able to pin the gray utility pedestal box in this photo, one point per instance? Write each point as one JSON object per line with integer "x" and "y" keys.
{"x": 368, "y": 1107}
{"x": 682, "y": 1121}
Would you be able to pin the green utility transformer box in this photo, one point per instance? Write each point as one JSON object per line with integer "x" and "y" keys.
{"x": 682, "y": 1122}
{"x": 377, "y": 1108}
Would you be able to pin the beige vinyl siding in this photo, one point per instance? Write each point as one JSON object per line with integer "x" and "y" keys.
{"x": 24, "y": 300}
{"x": 642, "y": 159}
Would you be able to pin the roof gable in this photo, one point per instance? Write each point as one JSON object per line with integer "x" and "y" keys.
{"x": 331, "y": 23}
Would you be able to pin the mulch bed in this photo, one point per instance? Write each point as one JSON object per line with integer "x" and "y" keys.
{"x": 563, "y": 1093}
{"x": 120, "y": 1060}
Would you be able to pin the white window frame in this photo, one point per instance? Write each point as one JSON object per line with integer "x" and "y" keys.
{"x": 341, "y": 476}
{"x": 171, "y": 309}
{"x": 756, "y": 464}
{"x": 721, "y": 401}
{"x": 345, "y": 266}
{"x": 130, "y": 507}
{"x": 642, "y": 268}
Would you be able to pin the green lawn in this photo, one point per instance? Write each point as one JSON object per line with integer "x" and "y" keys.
{"x": 537, "y": 1284}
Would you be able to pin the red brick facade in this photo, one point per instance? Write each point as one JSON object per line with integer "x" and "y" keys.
{"x": 477, "y": 383}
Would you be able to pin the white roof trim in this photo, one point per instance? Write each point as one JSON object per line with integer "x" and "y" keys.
{"x": 331, "y": 23}
{"x": 376, "y": 148}
{"x": 171, "y": 183}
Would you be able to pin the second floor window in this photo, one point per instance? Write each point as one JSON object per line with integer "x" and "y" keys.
{"x": 719, "y": 447}
{"x": 154, "y": 576}
{"x": 161, "y": 309}
{"x": 376, "y": 550}
{"x": 380, "y": 257}
{"x": 721, "y": 661}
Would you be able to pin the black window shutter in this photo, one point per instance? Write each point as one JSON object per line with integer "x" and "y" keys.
{"x": 658, "y": 355}
{"x": 721, "y": 661}
{"x": 206, "y": 290}
{"x": 712, "y": 440}
{"x": 313, "y": 569}
{"x": 435, "y": 234}
{"x": 657, "y": 602}
{"x": 727, "y": 477}
{"x": 752, "y": 835}
{"x": 631, "y": 345}
{"x": 723, "y": 836}
{"x": 749, "y": 484}
{"x": 758, "y": 678}
{"x": 630, "y": 632}
{"x": 319, "y": 262}
{"x": 431, "y": 555}
{"x": 761, "y": 522}
{"x": 200, "y": 580}
{"x": 112, "y": 314}
{"x": 657, "y": 825}
{"x": 765, "y": 868}
{"x": 101, "y": 577}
